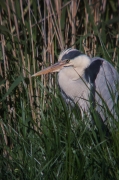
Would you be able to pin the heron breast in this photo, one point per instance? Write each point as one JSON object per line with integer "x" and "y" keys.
{"x": 78, "y": 90}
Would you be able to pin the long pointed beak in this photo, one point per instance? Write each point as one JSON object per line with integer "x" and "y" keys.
{"x": 54, "y": 68}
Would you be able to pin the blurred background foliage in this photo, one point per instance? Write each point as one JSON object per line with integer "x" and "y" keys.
{"x": 38, "y": 138}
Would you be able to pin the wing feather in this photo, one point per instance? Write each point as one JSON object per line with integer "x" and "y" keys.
{"x": 106, "y": 79}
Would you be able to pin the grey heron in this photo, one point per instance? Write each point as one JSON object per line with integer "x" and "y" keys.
{"x": 83, "y": 79}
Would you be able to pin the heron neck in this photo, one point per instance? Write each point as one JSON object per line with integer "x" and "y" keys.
{"x": 71, "y": 73}
{"x": 72, "y": 83}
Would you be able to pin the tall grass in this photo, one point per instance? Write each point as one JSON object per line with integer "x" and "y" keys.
{"x": 40, "y": 137}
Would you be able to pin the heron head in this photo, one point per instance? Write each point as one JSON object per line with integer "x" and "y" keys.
{"x": 69, "y": 57}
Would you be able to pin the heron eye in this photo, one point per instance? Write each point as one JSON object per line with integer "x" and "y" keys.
{"x": 67, "y": 61}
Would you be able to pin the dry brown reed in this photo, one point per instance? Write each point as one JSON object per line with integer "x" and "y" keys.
{"x": 36, "y": 31}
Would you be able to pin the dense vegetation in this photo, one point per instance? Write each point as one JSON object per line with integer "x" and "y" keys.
{"x": 40, "y": 138}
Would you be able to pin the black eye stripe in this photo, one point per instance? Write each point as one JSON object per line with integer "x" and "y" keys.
{"x": 71, "y": 55}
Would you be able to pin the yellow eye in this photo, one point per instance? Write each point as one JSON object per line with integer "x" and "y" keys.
{"x": 67, "y": 61}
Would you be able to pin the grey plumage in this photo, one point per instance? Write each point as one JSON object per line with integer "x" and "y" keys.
{"x": 106, "y": 84}
{"x": 98, "y": 81}
{"x": 84, "y": 81}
